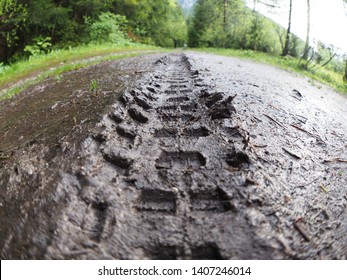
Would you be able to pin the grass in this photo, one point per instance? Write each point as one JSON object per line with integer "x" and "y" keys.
{"x": 322, "y": 75}
{"x": 93, "y": 87}
{"x": 16, "y": 77}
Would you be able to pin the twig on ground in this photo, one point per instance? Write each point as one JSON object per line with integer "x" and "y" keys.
{"x": 301, "y": 230}
{"x": 307, "y": 132}
{"x": 298, "y": 93}
{"x": 4, "y": 157}
{"x": 259, "y": 146}
{"x": 303, "y": 130}
{"x": 324, "y": 188}
{"x": 275, "y": 121}
{"x": 254, "y": 85}
{"x": 273, "y": 106}
{"x": 304, "y": 185}
{"x": 335, "y": 160}
{"x": 291, "y": 153}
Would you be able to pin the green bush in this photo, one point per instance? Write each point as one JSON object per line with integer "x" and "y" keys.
{"x": 108, "y": 29}
{"x": 40, "y": 45}
{"x": 3, "y": 68}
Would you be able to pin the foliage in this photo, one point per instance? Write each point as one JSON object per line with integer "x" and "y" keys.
{"x": 326, "y": 76}
{"x": 93, "y": 87}
{"x": 231, "y": 24}
{"x": 156, "y": 22}
{"x": 262, "y": 35}
{"x": 108, "y": 29}
{"x": 33, "y": 28}
{"x": 13, "y": 16}
{"x": 55, "y": 63}
{"x": 40, "y": 46}
{"x": 3, "y": 68}
{"x": 24, "y": 24}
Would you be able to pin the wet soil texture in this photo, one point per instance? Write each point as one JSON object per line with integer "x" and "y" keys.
{"x": 194, "y": 157}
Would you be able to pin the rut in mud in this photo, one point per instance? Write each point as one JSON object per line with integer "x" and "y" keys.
{"x": 185, "y": 164}
{"x": 162, "y": 175}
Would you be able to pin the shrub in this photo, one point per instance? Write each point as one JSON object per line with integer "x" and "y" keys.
{"x": 40, "y": 45}
{"x": 108, "y": 29}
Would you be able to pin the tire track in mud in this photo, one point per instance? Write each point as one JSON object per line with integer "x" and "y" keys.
{"x": 162, "y": 177}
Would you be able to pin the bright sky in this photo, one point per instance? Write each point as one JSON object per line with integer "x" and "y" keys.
{"x": 328, "y": 20}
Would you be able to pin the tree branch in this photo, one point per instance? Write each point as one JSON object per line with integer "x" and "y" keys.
{"x": 269, "y": 5}
{"x": 330, "y": 59}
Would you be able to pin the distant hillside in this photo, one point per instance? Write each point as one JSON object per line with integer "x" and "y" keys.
{"x": 187, "y": 5}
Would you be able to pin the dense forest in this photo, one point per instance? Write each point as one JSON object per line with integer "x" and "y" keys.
{"x": 34, "y": 27}
{"x": 30, "y": 27}
{"x": 237, "y": 24}
{"x": 230, "y": 24}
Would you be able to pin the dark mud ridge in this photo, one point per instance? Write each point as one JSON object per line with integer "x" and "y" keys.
{"x": 168, "y": 171}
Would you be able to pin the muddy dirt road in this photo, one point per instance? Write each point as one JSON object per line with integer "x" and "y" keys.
{"x": 176, "y": 156}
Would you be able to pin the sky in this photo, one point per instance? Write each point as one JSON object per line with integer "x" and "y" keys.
{"x": 328, "y": 20}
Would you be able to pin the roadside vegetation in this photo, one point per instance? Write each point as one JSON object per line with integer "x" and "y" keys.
{"x": 29, "y": 28}
{"x": 44, "y": 38}
{"x": 236, "y": 29}
{"x": 17, "y": 76}
{"x": 324, "y": 75}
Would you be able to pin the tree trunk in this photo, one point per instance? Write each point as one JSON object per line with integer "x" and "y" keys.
{"x": 3, "y": 50}
{"x": 307, "y": 44}
{"x": 287, "y": 43}
{"x": 225, "y": 15}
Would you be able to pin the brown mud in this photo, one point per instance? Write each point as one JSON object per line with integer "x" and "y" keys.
{"x": 177, "y": 156}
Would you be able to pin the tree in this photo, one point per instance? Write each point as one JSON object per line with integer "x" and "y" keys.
{"x": 326, "y": 54}
{"x": 177, "y": 30}
{"x": 258, "y": 28}
{"x": 345, "y": 74}
{"x": 287, "y": 42}
{"x": 307, "y": 43}
{"x": 37, "y": 25}
{"x": 13, "y": 16}
{"x": 234, "y": 25}
{"x": 219, "y": 23}
{"x": 225, "y": 10}
{"x": 204, "y": 16}
{"x": 46, "y": 19}
{"x": 108, "y": 29}
{"x": 157, "y": 22}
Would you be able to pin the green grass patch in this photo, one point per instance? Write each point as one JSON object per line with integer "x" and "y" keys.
{"x": 16, "y": 77}
{"x": 322, "y": 75}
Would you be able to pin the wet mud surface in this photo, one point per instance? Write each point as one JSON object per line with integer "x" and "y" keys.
{"x": 177, "y": 156}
